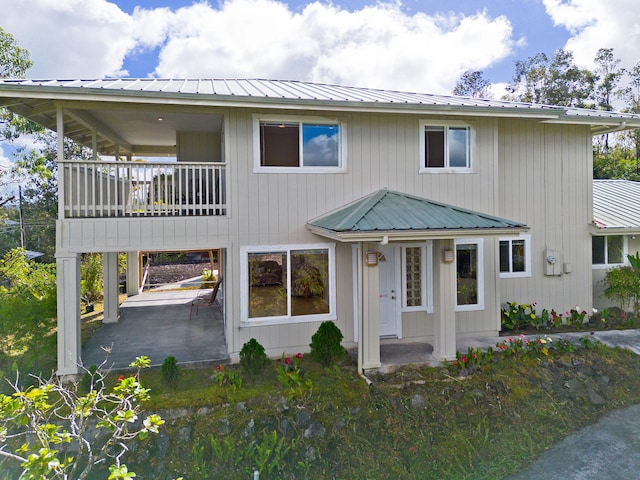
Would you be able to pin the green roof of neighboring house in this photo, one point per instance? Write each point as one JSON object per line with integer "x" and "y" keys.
{"x": 395, "y": 213}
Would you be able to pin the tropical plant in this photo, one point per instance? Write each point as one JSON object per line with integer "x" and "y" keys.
{"x": 54, "y": 431}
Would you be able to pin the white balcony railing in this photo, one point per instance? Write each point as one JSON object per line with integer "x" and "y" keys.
{"x": 139, "y": 189}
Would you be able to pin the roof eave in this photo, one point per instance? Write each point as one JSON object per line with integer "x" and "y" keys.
{"x": 618, "y": 230}
{"x": 86, "y": 94}
{"x": 412, "y": 235}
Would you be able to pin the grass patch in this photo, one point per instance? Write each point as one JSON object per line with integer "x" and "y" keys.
{"x": 414, "y": 423}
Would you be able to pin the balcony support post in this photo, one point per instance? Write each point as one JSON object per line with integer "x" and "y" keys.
{"x": 111, "y": 300}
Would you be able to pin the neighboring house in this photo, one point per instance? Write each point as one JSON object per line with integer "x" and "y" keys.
{"x": 616, "y": 218}
{"x": 402, "y": 217}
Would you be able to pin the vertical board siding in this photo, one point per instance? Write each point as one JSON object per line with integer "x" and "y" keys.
{"x": 520, "y": 171}
{"x": 544, "y": 179}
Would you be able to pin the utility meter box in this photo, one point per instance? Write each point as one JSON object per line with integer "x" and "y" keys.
{"x": 552, "y": 262}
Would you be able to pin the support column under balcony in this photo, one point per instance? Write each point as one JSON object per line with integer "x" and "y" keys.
{"x": 133, "y": 273}
{"x": 110, "y": 279}
{"x": 68, "y": 288}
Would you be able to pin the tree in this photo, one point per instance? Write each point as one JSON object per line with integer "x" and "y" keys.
{"x": 555, "y": 81}
{"x": 14, "y": 63}
{"x": 37, "y": 423}
{"x": 37, "y": 171}
{"x": 472, "y": 84}
{"x": 27, "y": 307}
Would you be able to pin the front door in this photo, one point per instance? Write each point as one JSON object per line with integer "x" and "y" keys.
{"x": 389, "y": 295}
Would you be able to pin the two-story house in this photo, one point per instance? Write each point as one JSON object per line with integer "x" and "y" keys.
{"x": 402, "y": 217}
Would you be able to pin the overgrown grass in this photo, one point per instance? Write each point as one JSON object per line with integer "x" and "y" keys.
{"x": 415, "y": 423}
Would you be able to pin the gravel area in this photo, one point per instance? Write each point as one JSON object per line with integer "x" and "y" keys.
{"x": 163, "y": 274}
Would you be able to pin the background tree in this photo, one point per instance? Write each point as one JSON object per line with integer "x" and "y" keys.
{"x": 552, "y": 81}
{"x": 472, "y": 84}
{"x": 27, "y": 312}
{"x": 14, "y": 63}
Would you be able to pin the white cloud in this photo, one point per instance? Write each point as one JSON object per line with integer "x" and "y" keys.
{"x": 376, "y": 46}
{"x": 70, "y": 38}
{"x": 380, "y": 45}
{"x": 596, "y": 24}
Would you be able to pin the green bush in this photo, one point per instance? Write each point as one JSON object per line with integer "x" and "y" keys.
{"x": 91, "y": 277}
{"x": 325, "y": 344}
{"x": 208, "y": 278}
{"x": 622, "y": 284}
{"x": 253, "y": 357}
{"x": 169, "y": 370}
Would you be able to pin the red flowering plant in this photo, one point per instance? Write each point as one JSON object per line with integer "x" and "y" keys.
{"x": 289, "y": 371}
{"x": 224, "y": 377}
{"x": 522, "y": 346}
{"x": 473, "y": 358}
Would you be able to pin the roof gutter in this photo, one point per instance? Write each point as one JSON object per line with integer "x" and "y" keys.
{"x": 605, "y": 130}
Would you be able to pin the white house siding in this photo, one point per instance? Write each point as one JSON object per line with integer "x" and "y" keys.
{"x": 199, "y": 146}
{"x": 382, "y": 151}
{"x": 544, "y": 177}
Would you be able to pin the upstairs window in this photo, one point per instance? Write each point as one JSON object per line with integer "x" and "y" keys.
{"x": 287, "y": 144}
{"x": 445, "y": 147}
{"x": 608, "y": 250}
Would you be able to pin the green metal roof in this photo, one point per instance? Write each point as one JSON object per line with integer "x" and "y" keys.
{"x": 388, "y": 211}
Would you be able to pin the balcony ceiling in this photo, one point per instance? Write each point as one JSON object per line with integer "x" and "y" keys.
{"x": 135, "y": 129}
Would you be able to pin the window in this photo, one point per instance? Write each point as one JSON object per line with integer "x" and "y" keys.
{"x": 445, "y": 147}
{"x": 417, "y": 292}
{"x": 289, "y": 145}
{"x": 469, "y": 275}
{"x": 608, "y": 250}
{"x": 515, "y": 257}
{"x": 288, "y": 284}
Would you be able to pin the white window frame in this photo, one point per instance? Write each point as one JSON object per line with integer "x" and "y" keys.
{"x": 426, "y": 277}
{"x": 300, "y": 120}
{"x": 527, "y": 257}
{"x": 446, "y": 125}
{"x": 479, "y": 242}
{"x": 285, "y": 319}
{"x": 607, "y": 265}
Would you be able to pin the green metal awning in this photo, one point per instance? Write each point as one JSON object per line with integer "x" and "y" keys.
{"x": 398, "y": 216}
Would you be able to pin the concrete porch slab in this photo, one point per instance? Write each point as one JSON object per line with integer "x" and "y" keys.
{"x": 157, "y": 324}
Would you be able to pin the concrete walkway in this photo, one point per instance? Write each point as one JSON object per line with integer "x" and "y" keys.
{"x": 158, "y": 325}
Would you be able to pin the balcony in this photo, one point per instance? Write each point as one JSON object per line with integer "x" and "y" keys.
{"x": 117, "y": 189}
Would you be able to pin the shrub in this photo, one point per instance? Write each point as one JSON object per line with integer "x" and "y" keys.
{"x": 91, "y": 277}
{"x": 169, "y": 370}
{"x": 325, "y": 344}
{"x": 253, "y": 357}
{"x": 622, "y": 284}
{"x": 208, "y": 278}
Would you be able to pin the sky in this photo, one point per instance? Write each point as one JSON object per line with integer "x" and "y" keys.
{"x": 414, "y": 45}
